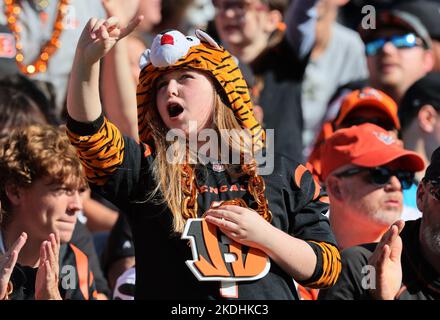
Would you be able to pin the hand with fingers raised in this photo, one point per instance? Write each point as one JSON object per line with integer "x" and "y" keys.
{"x": 7, "y": 264}
{"x": 100, "y": 35}
{"x": 46, "y": 283}
{"x": 386, "y": 261}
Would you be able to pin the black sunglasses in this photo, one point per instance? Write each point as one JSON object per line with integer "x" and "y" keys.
{"x": 381, "y": 175}
{"x": 434, "y": 190}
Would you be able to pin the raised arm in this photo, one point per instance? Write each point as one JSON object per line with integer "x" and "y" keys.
{"x": 97, "y": 39}
{"x": 99, "y": 143}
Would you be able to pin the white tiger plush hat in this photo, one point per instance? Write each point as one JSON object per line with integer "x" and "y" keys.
{"x": 172, "y": 50}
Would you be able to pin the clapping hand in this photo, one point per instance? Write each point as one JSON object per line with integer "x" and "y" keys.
{"x": 7, "y": 264}
{"x": 386, "y": 261}
{"x": 46, "y": 283}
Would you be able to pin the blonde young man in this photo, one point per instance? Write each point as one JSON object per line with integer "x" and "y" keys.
{"x": 40, "y": 192}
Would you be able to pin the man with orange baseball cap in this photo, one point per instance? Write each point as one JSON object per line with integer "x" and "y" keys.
{"x": 406, "y": 261}
{"x": 360, "y": 106}
{"x": 365, "y": 170}
{"x": 368, "y": 105}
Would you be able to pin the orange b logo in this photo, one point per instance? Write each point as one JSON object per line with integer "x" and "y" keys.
{"x": 218, "y": 258}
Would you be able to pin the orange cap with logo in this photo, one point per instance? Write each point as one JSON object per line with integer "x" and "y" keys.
{"x": 366, "y": 145}
{"x": 368, "y": 98}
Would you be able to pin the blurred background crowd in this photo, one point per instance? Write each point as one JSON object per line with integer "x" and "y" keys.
{"x": 330, "y": 76}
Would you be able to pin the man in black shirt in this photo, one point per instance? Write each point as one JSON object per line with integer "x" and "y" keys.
{"x": 405, "y": 267}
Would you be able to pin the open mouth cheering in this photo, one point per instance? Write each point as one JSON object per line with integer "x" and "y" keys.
{"x": 174, "y": 110}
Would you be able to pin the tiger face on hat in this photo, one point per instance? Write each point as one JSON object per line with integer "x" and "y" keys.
{"x": 171, "y": 52}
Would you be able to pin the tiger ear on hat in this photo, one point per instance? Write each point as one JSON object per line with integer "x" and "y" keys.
{"x": 203, "y": 36}
{"x": 145, "y": 59}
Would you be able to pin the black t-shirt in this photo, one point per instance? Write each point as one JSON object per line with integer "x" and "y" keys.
{"x": 420, "y": 280}
{"x": 282, "y": 75}
{"x": 76, "y": 278}
{"x": 295, "y": 200}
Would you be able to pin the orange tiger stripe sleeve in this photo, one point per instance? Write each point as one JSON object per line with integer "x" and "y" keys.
{"x": 100, "y": 152}
{"x": 330, "y": 260}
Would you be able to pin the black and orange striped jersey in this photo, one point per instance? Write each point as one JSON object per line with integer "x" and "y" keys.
{"x": 119, "y": 168}
{"x": 76, "y": 280}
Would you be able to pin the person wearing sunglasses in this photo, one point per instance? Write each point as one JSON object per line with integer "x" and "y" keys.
{"x": 365, "y": 169}
{"x": 419, "y": 114}
{"x": 398, "y": 52}
{"x": 407, "y": 258}
{"x": 367, "y": 105}
{"x": 404, "y": 41}
{"x": 428, "y": 11}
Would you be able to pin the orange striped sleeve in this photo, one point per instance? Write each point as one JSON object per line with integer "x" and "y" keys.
{"x": 331, "y": 266}
{"x": 101, "y": 153}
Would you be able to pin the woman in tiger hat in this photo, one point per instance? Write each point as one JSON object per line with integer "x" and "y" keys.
{"x": 201, "y": 229}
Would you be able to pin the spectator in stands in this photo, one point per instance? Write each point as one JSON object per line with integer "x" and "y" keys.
{"x": 22, "y": 104}
{"x": 367, "y": 105}
{"x": 419, "y": 113}
{"x": 399, "y": 52}
{"x": 365, "y": 170}
{"x": 428, "y": 13}
{"x": 275, "y": 54}
{"x": 337, "y": 58}
{"x": 40, "y": 192}
{"x": 191, "y": 79}
{"x": 404, "y": 265}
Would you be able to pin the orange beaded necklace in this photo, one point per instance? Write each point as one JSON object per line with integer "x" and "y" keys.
{"x": 12, "y": 10}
